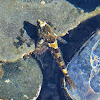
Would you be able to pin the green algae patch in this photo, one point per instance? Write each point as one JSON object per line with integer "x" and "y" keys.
{"x": 21, "y": 80}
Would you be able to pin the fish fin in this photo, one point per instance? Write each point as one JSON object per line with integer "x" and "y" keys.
{"x": 41, "y": 50}
{"x": 39, "y": 53}
{"x": 61, "y": 40}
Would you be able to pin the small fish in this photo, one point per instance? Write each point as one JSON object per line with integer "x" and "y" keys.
{"x": 47, "y": 39}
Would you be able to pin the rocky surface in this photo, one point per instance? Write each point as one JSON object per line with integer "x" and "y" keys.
{"x": 61, "y": 14}
{"x": 17, "y": 34}
{"x": 21, "y": 80}
{"x": 52, "y": 74}
{"x": 84, "y": 70}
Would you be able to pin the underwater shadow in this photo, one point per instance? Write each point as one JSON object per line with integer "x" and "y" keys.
{"x": 30, "y": 29}
{"x": 86, "y": 5}
{"x": 78, "y": 36}
{"x": 32, "y": 32}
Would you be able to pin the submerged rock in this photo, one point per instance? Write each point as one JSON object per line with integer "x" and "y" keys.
{"x": 14, "y": 41}
{"x": 84, "y": 70}
{"x": 21, "y": 80}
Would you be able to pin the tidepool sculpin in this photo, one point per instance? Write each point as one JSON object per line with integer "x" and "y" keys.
{"x": 47, "y": 39}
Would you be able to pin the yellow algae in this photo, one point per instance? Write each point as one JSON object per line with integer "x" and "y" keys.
{"x": 1, "y": 72}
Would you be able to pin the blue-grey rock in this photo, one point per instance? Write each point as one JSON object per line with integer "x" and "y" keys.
{"x": 84, "y": 70}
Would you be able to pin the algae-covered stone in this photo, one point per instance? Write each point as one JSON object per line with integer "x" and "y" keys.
{"x": 11, "y": 21}
{"x": 21, "y": 80}
{"x": 62, "y": 15}
{"x": 84, "y": 70}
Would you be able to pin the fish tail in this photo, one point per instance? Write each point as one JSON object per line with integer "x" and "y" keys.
{"x": 69, "y": 83}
